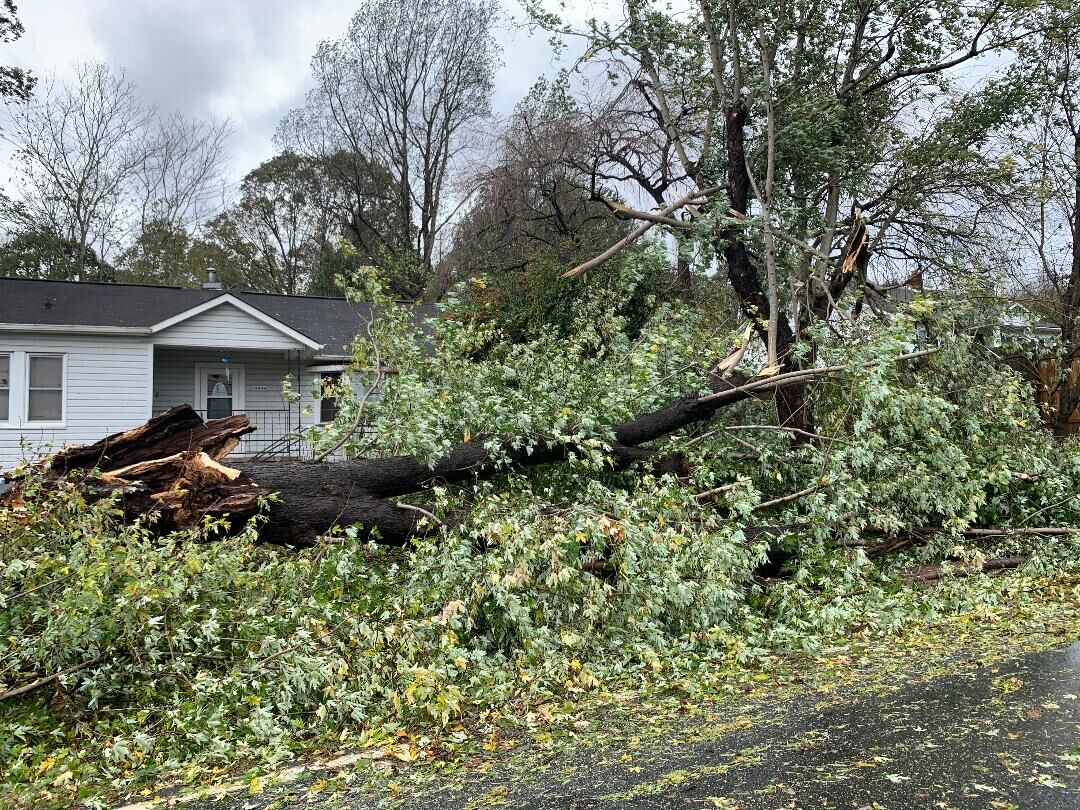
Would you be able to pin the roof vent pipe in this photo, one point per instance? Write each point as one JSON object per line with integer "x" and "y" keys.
{"x": 211, "y": 282}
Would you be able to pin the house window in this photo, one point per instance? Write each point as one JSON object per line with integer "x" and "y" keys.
{"x": 5, "y": 387}
{"x": 328, "y": 407}
{"x": 45, "y": 400}
{"x": 219, "y": 396}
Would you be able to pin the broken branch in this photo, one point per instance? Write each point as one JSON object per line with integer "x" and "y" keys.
{"x": 640, "y": 231}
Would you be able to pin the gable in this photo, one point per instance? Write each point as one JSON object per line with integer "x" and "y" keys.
{"x": 226, "y": 325}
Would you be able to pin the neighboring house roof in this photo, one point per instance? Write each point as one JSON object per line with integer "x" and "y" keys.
{"x": 1019, "y": 318}
{"x": 330, "y": 323}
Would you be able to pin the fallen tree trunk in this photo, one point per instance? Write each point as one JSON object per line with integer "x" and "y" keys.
{"x": 170, "y": 468}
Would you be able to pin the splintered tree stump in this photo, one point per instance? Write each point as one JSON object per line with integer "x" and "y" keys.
{"x": 178, "y": 430}
{"x": 168, "y": 470}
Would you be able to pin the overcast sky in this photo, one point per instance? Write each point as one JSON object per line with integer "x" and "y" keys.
{"x": 247, "y": 60}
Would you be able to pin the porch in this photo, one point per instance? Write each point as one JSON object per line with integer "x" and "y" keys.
{"x": 222, "y": 383}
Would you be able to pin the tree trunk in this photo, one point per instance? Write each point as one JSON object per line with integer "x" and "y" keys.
{"x": 1068, "y": 390}
{"x": 170, "y": 469}
{"x": 793, "y": 407}
{"x": 684, "y": 281}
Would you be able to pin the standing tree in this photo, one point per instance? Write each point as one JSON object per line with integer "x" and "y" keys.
{"x": 404, "y": 88}
{"x": 93, "y": 160}
{"x": 271, "y": 239}
{"x": 1038, "y": 208}
{"x": 76, "y": 148}
{"x": 534, "y": 215}
{"x": 181, "y": 178}
{"x": 800, "y": 139}
{"x": 530, "y": 203}
{"x": 15, "y": 82}
{"x": 299, "y": 222}
{"x": 42, "y": 254}
{"x": 162, "y": 253}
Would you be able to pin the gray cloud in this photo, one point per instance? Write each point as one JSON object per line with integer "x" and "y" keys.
{"x": 246, "y": 60}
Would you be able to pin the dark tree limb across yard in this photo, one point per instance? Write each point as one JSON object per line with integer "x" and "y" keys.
{"x": 172, "y": 467}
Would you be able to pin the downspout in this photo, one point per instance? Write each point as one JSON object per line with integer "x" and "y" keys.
{"x": 299, "y": 401}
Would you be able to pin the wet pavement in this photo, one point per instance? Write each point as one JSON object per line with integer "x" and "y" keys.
{"x": 999, "y": 736}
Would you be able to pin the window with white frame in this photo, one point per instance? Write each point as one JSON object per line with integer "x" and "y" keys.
{"x": 45, "y": 389}
{"x": 5, "y": 387}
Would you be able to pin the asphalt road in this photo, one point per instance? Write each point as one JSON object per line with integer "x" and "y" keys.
{"x": 997, "y": 737}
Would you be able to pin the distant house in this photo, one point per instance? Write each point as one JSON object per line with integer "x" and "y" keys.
{"x": 1019, "y": 321}
{"x": 80, "y": 360}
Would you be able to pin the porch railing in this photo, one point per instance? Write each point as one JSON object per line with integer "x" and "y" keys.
{"x": 275, "y": 435}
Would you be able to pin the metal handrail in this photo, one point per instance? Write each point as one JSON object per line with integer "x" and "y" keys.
{"x": 283, "y": 445}
{"x": 275, "y": 434}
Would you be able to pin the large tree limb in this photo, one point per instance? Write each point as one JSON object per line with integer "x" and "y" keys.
{"x": 317, "y": 496}
{"x": 311, "y": 498}
{"x": 934, "y": 573}
{"x": 641, "y": 230}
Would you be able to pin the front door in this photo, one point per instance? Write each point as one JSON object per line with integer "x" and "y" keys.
{"x": 220, "y": 390}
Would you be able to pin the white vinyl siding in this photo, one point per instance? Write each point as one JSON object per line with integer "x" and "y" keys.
{"x": 225, "y": 326}
{"x": 105, "y": 390}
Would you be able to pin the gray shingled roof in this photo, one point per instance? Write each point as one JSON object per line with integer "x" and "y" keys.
{"x": 333, "y": 322}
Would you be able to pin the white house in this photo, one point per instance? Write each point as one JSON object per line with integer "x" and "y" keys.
{"x": 80, "y": 360}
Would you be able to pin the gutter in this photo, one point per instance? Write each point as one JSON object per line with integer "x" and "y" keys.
{"x": 73, "y": 329}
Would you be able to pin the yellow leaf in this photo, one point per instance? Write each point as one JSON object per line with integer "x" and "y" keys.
{"x": 255, "y": 785}
{"x": 64, "y": 778}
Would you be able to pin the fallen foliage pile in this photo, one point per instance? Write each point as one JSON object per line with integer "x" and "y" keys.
{"x": 133, "y": 655}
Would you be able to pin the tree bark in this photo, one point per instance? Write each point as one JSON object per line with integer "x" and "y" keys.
{"x": 170, "y": 469}
{"x": 792, "y": 402}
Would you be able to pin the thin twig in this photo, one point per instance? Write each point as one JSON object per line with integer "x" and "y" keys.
{"x": 1047, "y": 508}
{"x": 40, "y": 682}
{"x": 794, "y": 241}
{"x": 29, "y": 591}
{"x": 785, "y": 429}
{"x": 794, "y": 496}
{"x": 640, "y": 231}
{"x": 424, "y": 512}
{"x": 701, "y": 496}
